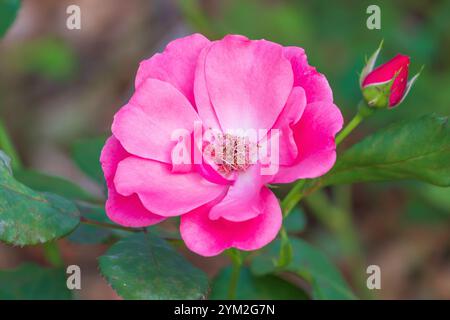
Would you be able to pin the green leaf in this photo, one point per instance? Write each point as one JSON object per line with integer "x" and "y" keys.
{"x": 414, "y": 149}
{"x": 6, "y": 161}
{"x": 145, "y": 267}
{"x": 310, "y": 264}
{"x": 251, "y": 287}
{"x": 46, "y": 183}
{"x": 295, "y": 222}
{"x": 86, "y": 154}
{"x": 28, "y": 217}
{"x": 8, "y": 12}
{"x": 32, "y": 282}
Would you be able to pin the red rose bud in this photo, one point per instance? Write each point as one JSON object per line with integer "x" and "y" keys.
{"x": 386, "y": 85}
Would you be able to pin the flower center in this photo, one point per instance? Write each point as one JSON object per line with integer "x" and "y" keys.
{"x": 233, "y": 153}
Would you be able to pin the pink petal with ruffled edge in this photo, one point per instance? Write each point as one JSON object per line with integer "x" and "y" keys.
{"x": 162, "y": 191}
{"x": 175, "y": 65}
{"x": 291, "y": 113}
{"x": 243, "y": 200}
{"x": 315, "y": 84}
{"x": 202, "y": 100}
{"x": 248, "y": 82}
{"x": 145, "y": 125}
{"x": 210, "y": 237}
{"x": 126, "y": 211}
{"x": 314, "y": 135}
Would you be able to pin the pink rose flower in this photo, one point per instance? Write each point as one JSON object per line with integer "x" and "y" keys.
{"x": 224, "y": 85}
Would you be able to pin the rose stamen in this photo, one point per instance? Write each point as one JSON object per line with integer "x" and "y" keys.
{"x": 233, "y": 153}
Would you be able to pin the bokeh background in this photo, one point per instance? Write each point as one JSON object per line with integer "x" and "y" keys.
{"x": 58, "y": 86}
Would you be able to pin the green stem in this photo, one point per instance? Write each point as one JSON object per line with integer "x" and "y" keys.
{"x": 236, "y": 260}
{"x": 292, "y": 198}
{"x": 8, "y": 147}
{"x": 107, "y": 225}
{"x": 349, "y": 128}
{"x": 363, "y": 112}
{"x": 52, "y": 254}
{"x": 285, "y": 256}
{"x": 117, "y": 227}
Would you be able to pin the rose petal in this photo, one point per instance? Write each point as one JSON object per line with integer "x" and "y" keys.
{"x": 202, "y": 100}
{"x": 210, "y": 237}
{"x": 126, "y": 211}
{"x": 248, "y": 82}
{"x": 314, "y": 136}
{"x": 129, "y": 211}
{"x": 386, "y": 71}
{"x": 162, "y": 191}
{"x": 315, "y": 84}
{"x": 146, "y": 124}
{"x": 243, "y": 200}
{"x": 176, "y": 65}
{"x": 291, "y": 113}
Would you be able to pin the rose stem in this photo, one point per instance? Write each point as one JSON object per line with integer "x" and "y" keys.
{"x": 107, "y": 225}
{"x": 236, "y": 269}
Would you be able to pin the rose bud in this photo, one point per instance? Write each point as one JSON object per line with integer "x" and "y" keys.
{"x": 387, "y": 85}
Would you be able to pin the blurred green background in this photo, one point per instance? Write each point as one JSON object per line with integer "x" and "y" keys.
{"x": 59, "y": 85}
